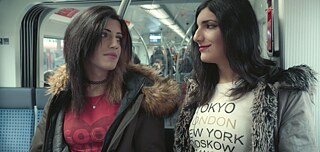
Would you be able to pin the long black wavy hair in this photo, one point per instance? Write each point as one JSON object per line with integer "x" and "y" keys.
{"x": 239, "y": 27}
{"x": 81, "y": 38}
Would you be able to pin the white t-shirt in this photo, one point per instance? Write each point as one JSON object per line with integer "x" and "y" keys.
{"x": 223, "y": 125}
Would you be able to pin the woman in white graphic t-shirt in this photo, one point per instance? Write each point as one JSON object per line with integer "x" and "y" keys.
{"x": 237, "y": 100}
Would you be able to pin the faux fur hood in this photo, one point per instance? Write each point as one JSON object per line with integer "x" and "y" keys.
{"x": 300, "y": 77}
{"x": 161, "y": 98}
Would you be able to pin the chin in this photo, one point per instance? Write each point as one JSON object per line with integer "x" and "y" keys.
{"x": 110, "y": 67}
{"x": 205, "y": 60}
{"x": 209, "y": 59}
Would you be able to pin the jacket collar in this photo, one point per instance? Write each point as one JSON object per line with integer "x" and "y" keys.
{"x": 299, "y": 77}
{"x": 161, "y": 94}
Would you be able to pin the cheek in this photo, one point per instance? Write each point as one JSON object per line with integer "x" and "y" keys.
{"x": 100, "y": 47}
{"x": 219, "y": 39}
{"x": 213, "y": 37}
{"x": 120, "y": 52}
{"x": 217, "y": 42}
{"x": 104, "y": 45}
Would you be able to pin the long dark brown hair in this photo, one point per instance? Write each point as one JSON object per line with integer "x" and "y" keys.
{"x": 81, "y": 38}
{"x": 239, "y": 27}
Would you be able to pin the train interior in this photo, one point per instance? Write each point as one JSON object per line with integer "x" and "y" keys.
{"x": 31, "y": 48}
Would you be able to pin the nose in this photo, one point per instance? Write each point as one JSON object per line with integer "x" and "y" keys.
{"x": 198, "y": 37}
{"x": 114, "y": 43}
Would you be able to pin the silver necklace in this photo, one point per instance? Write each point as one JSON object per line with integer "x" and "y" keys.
{"x": 94, "y": 106}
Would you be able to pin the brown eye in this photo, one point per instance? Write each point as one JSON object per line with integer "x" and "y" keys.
{"x": 104, "y": 34}
{"x": 211, "y": 26}
{"x": 119, "y": 38}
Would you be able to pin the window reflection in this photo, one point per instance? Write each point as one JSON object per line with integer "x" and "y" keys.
{"x": 52, "y": 53}
{"x": 52, "y": 56}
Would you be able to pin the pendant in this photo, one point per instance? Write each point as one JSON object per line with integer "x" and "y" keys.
{"x": 94, "y": 107}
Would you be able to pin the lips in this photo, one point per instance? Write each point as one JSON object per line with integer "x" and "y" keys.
{"x": 203, "y": 47}
{"x": 111, "y": 55}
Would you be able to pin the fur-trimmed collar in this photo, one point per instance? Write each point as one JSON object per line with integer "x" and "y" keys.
{"x": 300, "y": 77}
{"x": 161, "y": 98}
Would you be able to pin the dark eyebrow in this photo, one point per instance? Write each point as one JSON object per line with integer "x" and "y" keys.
{"x": 118, "y": 33}
{"x": 207, "y": 21}
{"x": 107, "y": 30}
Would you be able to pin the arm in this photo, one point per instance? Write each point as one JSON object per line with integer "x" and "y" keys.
{"x": 296, "y": 122}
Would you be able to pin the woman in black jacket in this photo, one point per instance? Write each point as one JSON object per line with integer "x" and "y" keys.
{"x": 100, "y": 101}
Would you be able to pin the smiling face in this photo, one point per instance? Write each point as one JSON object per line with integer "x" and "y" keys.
{"x": 209, "y": 38}
{"x": 107, "y": 52}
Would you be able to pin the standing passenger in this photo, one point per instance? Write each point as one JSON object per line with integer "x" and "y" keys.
{"x": 158, "y": 61}
{"x": 101, "y": 102}
{"x": 237, "y": 101}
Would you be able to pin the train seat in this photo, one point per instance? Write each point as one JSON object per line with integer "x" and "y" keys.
{"x": 16, "y": 119}
{"x": 41, "y": 100}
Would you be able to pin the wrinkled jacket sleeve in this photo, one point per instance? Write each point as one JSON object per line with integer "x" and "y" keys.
{"x": 38, "y": 138}
{"x": 296, "y": 122}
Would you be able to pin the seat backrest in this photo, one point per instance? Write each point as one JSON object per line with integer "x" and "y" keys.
{"x": 41, "y": 100}
{"x": 16, "y": 119}
{"x": 15, "y": 98}
{"x": 41, "y": 97}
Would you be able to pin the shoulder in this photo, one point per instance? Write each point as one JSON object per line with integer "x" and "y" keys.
{"x": 300, "y": 77}
{"x": 296, "y": 88}
{"x": 160, "y": 94}
{"x": 58, "y": 80}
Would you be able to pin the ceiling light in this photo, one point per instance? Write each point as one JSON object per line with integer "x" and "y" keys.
{"x": 150, "y": 6}
{"x": 167, "y": 21}
{"x": 174, "y": 27}
{"x": 157, "y": 12}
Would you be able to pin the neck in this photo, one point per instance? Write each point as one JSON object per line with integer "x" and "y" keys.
{"x": 95, "y": 75}
{"x": 95, "y": 90}
{"x": 92, "y": 82}
{"x": 226, "y": 74}
{"x": 96, "y": 78}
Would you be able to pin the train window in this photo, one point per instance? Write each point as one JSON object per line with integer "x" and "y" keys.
{"x": 52, "y": 53}
{"x": 52, "y": 56}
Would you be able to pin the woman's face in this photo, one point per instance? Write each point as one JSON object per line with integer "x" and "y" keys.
{"x": 107, "y": 53}
{"x": 209, "y": 38}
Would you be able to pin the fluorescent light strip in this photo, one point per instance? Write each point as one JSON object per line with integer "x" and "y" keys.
{"x": 157, "y": 12}
{"x": 167, "y": 21}
{"x": 155, "y": 6}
